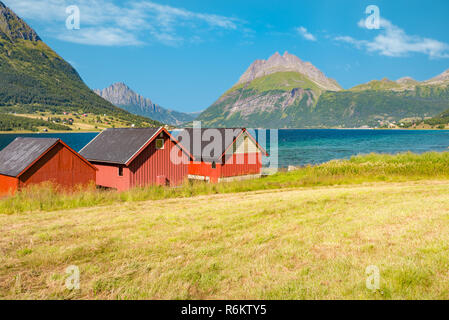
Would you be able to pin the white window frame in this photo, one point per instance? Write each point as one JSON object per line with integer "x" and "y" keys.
{"x": 163, "y": 144}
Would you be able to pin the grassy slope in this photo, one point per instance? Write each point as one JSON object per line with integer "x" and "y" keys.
{"x": 313, "y": 240}
{"x": 33, "y": 78}
{"x": 348, "y": 108}
{"x": 362, "y": 105}
{"x": 378, "y": 85}
{"x": 17, "y": 123}
{"x": 296, "y": 244}
{"x": 361, "y": 169}
{"x": 283, "y": 81}
{"x": 273, "y": 85}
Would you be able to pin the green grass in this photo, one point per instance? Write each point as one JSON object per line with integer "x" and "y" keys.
{"x": 308, "y": 243}
{"x": 16, "y": 123}
{"x": 284, "y": 81}
{"x": 268, "y": 101}
{"x": 378, "y": 85}
{"x": 306, "y": 234}
{"x": 34, "y": 79}
{"x": 357, "y": 170}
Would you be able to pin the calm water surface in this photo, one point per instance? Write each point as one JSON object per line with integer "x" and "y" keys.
{"x": 301, "y": 147}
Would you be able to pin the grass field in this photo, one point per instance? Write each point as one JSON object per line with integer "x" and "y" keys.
{"x": 299, "y": 236}
{"x": 295, "y": 244}
{"x": 360, "y": 169}
{"x": 89, "y": 123}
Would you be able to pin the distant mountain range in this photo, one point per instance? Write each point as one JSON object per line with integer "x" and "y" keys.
{"x": 280, "y": 92}
{"x": 33, "y": 78}
{"x": 285, "y": 92}
{"x": 120, "y": 95}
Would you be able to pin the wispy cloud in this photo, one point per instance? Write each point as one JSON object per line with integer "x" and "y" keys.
{"x": 305, "y": 34}
{"x": 109, "y": 23}
{"x": 393, "y": 41}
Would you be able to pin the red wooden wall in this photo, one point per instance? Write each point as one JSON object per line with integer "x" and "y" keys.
{"x": 152, "y": 162}
{"x": 107, "y": 176}
{"x": 242, "y": 164}
{"x": 8, "y": 185}
{"x": 145, "y": 169}
{"x": 59, "y": 166}
{"x": 233, "y": 166}
{"x": 204, "y": 169}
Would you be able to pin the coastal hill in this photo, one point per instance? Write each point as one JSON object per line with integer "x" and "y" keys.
{"x": 120, "y": 95}
{"x": 36, "y": 80}
{"x": 272, "y": 93}
{"x": 285, "y": 92}
{"x": 288, "y": 63}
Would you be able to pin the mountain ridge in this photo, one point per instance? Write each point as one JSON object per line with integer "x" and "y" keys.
{"x": 285, "y": 63}
{"x": 18, "y": 29}
{"x": 121, "y": 95}
{"x": 274, "y": 94}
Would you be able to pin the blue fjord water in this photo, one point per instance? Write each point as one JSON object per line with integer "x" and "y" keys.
{"x": 301, "y": 147}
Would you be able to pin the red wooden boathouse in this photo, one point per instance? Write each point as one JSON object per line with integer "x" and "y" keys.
{"x": 27, "y": 161}
{"x": 236, "y": 155}
{"x": 136, "y": 157}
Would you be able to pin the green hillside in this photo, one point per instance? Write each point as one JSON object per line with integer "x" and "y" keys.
{"x": 15, "y": 123}
{"x": 442, "y": 118}
{"x": 291, "y": 100}
{"x": 282, "y": 81}
{"x": 354, "y": 109}
{"x": 33, "y": 78}
{"x": 376, "y": 85}
{"x": 277, "y": 100}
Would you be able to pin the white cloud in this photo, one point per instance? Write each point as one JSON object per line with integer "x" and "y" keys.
{"x": 109, "y": 23}
{"x": 305, "y": 34}
{"x": 392, "y": 41}
{"x": 100, "y": 37}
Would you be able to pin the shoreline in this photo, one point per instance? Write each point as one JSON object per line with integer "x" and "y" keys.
{"x": 52, "y": 132}
{"x": 360, "y": 129}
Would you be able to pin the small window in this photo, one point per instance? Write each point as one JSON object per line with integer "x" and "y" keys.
{"x": 214, "y": 165}
{"x": 120, "y": 171}
{"x": 234, "y": 147}
{"x": 159, "y": 144}
{"x": 245, "y": 143}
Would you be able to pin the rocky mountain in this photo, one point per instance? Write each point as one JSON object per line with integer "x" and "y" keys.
{"x": 272, "y": 93}
{"x": 288, "y": 63}
{"x": 442, "y": 79}
{"x": 284, "y": 92}
{"x": 33, "y": 78}
{"x": 120, "y": 95}
{"x": 13, "y": 28}
{"x": 440, "y": 84}
{"x": 407, "y": 81}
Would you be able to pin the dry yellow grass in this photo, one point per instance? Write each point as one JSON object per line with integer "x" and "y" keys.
{"x": 280, "y": 244}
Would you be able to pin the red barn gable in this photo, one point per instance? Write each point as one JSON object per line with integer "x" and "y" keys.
{"x": 136, "y": 157}
{"x": 27, "y": 161}
{"x": 236, "y": 155}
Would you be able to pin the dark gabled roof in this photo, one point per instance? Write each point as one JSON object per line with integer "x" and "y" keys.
{"x": 193, "y": 134}
{"x": 118, "y": 146}
{"x": 21, "y": 153}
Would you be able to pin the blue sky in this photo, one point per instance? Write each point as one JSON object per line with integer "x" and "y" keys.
{"x": 185, "y": 54}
